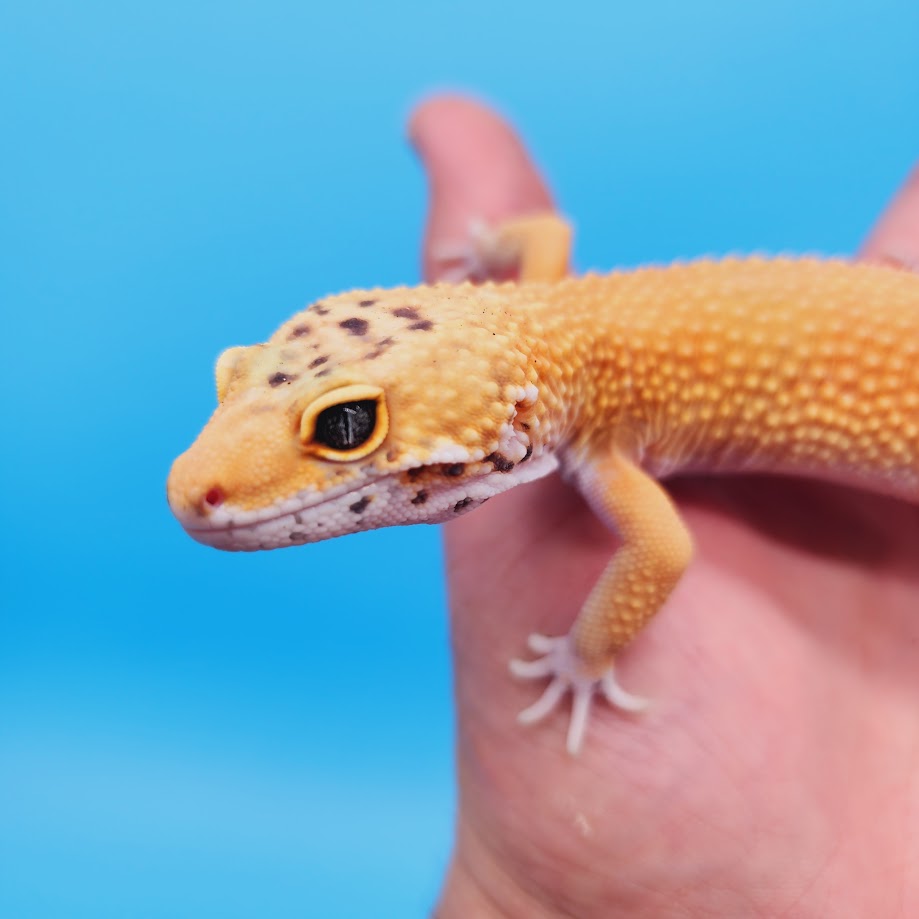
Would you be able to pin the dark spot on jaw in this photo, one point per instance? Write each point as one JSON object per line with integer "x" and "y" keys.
{"x": 525, "y": 426}
{"x": 323, "y": 373}
{"x": 424, "y": 326}
{"x": 360, "y": 506}
{"x": 461, "y": 504}
{"x": 454, "y": 469}
{"x": 318, "y": 362}
{"x": 500, "y": 462}
{"x": 298, "y": 332}
{"x": 298, "y": 536}
{"x": 278, "y": 378}
{"x": 414, "y": 473}
{"x": 355, "y": 326}
{"x": 528, "y": 454}
{"x": 366, "y": 302}
{"x": 320, "y": 310}
{"x": 406, "y": 312}
{"x": 420, "y": 498}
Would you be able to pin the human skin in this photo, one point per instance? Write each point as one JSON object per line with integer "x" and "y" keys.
{"x": 777, "y": 770}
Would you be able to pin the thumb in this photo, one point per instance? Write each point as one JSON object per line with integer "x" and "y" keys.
{"x": 477, "y": 168}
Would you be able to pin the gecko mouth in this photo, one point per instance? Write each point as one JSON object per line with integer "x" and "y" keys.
{"x": 226, "y": 525}
{"x": 352, "y": 508}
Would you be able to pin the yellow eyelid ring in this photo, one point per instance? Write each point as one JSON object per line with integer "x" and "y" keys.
{"x": 225, "y": 370}
{"x": 360, "y": 437}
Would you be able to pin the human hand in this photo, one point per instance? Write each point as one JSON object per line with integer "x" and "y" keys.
{"x": 774, "y": 772}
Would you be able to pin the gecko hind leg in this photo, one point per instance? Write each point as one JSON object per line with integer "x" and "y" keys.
{"x": 560, "y": 663}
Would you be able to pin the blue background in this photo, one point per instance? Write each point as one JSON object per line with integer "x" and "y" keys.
{"x": 181, "y": 732}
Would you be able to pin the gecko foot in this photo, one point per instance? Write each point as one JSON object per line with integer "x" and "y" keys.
{"x": 465, "y": 260}
{"x": 560, "y": 664}
{"x": 483, "y": 255}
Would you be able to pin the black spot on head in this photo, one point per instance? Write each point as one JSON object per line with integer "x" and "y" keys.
{"x": 276, "y": 379}
{"x": 528, "y": 454}
{"x": 360, "y": 506}
{"x": 367, "y": 302}
{"x": 320, "y": 309}
{"x": 500, "y": 462}
{"x": 406, "y": 312}
{"x": 424, "y": 326}
{"x": 461, "y": 504}
{"x": 454, "y": 469}
{"x": 382, "y": 345}
{"x": 355, "y": 326}
{"x": 323, "y": 373}
{"x": 414, "y": 473}
{"x": 318, "y": 362}
{"x": 420, "y": 498}
{"x": 298, "y": 332}
{"x": 525, "y": 426}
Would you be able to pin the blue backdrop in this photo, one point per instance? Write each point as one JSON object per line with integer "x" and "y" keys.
{"x": 180, "y": 733}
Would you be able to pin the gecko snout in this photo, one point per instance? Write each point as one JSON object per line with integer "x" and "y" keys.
{"x": 193, "y": 497}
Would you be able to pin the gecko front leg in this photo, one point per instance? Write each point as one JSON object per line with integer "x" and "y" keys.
{"x": 532, "y": 247}
{"x": 656, "y": 549}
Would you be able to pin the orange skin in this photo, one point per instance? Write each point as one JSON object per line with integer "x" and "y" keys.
{"x": 775, "y": 773}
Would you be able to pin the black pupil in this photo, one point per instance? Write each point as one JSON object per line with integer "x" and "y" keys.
{"x": 346, "y": 426}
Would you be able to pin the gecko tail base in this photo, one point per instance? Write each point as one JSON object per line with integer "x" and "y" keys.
{"x": 561, "y": 666}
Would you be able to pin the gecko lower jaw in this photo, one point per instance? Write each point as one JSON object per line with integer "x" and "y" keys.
{"x": 224, "y": 521}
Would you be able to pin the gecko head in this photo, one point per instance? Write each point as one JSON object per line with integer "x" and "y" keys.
{"x": 368, "y": 409}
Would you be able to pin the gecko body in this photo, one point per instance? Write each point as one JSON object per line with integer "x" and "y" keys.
{"x": 415, "y": 405}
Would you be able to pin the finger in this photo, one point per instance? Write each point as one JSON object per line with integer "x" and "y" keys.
{"x": 895, "y": 238}
{"x": 477, "y": 168}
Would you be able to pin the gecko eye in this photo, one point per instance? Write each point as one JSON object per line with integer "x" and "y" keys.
{"x": 345, "y": 424}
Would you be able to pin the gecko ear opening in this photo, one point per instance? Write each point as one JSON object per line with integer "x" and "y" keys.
{"x": 345, "y": 424}
{"x": 227, "y": 365}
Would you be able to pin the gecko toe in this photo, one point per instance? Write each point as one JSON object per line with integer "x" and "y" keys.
{"x": 546, "y": 703}
{"x": 619, "y": 697}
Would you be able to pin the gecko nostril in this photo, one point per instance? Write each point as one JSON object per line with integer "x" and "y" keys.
{"x": 214, "y": 497}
